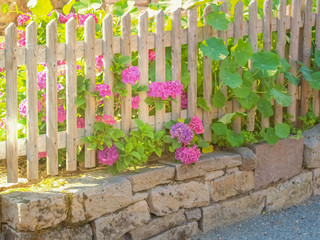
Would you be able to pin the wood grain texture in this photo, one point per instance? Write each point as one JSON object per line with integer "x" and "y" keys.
{"x": 89, "y": 60}
{"x": 32, "y": 101}
{"x": 12, "y": 103}
{"x": 51, "y": 99}
{"x": 107, "y": 51}
{"x": 192, "y": 62}
{"x": 143, "y": 63}
{"x": 160, "y": 63}
{"x": 176, "y": 59}
{"x": 126, "y": 51}
{"x": 71, "y": 94}
{"x": 315, "y": 93}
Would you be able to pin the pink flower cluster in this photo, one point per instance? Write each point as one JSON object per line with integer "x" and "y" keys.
{"x": 22, "y": 19}
{"x": 41, "y": 76}
{"x": 151, "y": 55}
{"x": 182, "y": 132}
{"x": 188, "y": 155}
{"x": 2, "y": 45}
{"x": 108, "y": 155}
{"x": 107, "y": 119}
{"x": 184, "y": 100}
{"x": 99, "y": 63}
{"x": 130, "y": 75}
{"x": 83, "y": 18}
{"x": 62, "y": 114}
{"x": 135, "y": 102}
{"x": 103, "y": 89}
{"x": 42, "y": 154}
{"x": 165, "y": 90}
{"x": 23, "y": 107}
{"x": 80, "y": 123}
{"x": 3, "y": 123}
{"x": 65, "y": 18}
{"x": 196, "y": 125}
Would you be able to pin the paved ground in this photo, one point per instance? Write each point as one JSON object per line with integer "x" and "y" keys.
{"x": 297, "y": 223}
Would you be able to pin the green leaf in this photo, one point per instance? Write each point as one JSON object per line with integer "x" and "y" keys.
{"x": 123, "y": 60}
{"x": 142, "y": 88}
{"x": 282, "y": 130}
{"x": 185, "y": 75}
{"x": 315, "y": 80}
{"x": 84, "y": 6}
{"x": 284, "y": 65}
{"x": 80, "y": 101}
{"x": 218, "y": 99}
{"x": 242, "y": 52}
{"x": 218, "y": 20}
{"x": 265, "y": 107}
{"x": 250, "y": 101}
{"x": 236, "y": 140}
{"x": 215, "y": 48}
{"x": 201, "y": 102}
{"x": 99, "y": 126}
{"x": 66, "y": 8}
{"x": 40, "y": 7}
{"x": 129, "y": 147}
{"x": 307, "y": 72}
{"x": 92, "y": 146}
{"x": 158, "y": 151}
{"x": 149, "y": 101}
{"x": 229, "y": 65}
{"x": 242, "y": 91}
{"x": 176, "y": 144}
{"x": 219, "y": 128}
{"x": 139, "y": 122}
{"x": 270, "y": 137}
{"x": 5, "y": 8}
{"x": 159, "y": 104}
{"x": 203, "y": 143}
{"x": 291, "y": 78}
{"x": 169, "y": 124}
{"x": 136, "y": 155}
{"x": 282, "y": 98}
{"x": 316, "y": 56}
{"x": 266, "y": 63}
{"x": 230, "y": 79}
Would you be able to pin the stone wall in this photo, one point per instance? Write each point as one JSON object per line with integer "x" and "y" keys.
{"x": 169, "y": 200}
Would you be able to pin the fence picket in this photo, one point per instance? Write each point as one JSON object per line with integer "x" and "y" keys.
{"x": 32, "y": 101}
{"x": 238, "y": 34}
{"x": 12, "y": 103}
{"x": 89, "y": 59}
{"x": 51, "y": 99}
{"x": 207, "y": 81}
{"x": 176, "y": 59}
{"x": 71, "y": 94}
{"x": 107, "y": 51}
{"x": 143, "y": 63}
{"x": 160, "y": 63}
{"x": 126, "y": 51}
{"x": 315, "y": 93}
{"x": 192, "y": 62}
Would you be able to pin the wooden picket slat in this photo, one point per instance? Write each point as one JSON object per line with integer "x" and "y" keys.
{"x": 126, "y": 51}
{"x": 143, "y": 63}
{"x": 160, "y": 63}
{"x": 306, "y": 52}
{"x": 192, "y": 62}
{"x": 176, "y": 59}
{"x": 32, "y": 101}
{"x": 238, "y": 34}
{"x": 281, "y": 44}
{"x": 267, "y": 40}
{"x": 207, "y": 81}
{"x": 12, "y": 103}
{"x": 315, "y": 93}
{"x": 71, "y": 94}
{"x": 223, "y": 35}
{"x": 51, "y": 99}
{"x": 294, "y": 48}
{"x": 253, "y": 39}
{"x": 89, "y": 59}
{"x": 107, "y": 51}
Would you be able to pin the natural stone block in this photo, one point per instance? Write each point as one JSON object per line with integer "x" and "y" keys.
{"x": 137, "y": 197}
{"x": 231, "y": 185}
{"x": 207, "y": 163}
{"x": 193, "y": 214}
{"x": 150, "y": 177}
{"x": 248, "y": 158}
{"x": 289, "y": 193}
{"x": 95, "y": 195}
{"x": 158, "y": 225}
{"x": 29, "y": 211}
{"x": 282, "y": 160}
{"x": 11, "y": 234}
{"x": 231, "y": 211}
{"x": 316, "y": 181}
{"x": 311, "y": 154}
{"x": 168, "y": 199}
{"x": 181, "y": 232}
{"x": 232, "y": 170}
{"x": 117, "y": 224}
{"x": 213, "y": 175}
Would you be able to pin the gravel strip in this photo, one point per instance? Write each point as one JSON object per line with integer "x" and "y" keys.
{"x": 299, "y": 222}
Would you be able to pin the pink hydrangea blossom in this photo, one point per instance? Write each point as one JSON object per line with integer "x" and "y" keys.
{"x": 21, "y": 42}
{"x": 21, "y": 34}
{"x": 108, "y": 119}
{"x": 2, "y": 45}
{"x": 182, "y": 132}
{"x": 62, "y": 70}
{"x": 22, "y": 19}
{"x": 98, "y": 118}
{"x": 196, "y": 125}
{"x": 2, "y": 69}
{"x": 164, "y": 90}
{"x": 3, "y": 123}
{"x": 135, "y": 102}
{"x": 175, "y": 88}
{"x": 99, "y": 62}
{"x": 61, "y": 62}
{"x": 130, "y": 75}
{"x": 59, "y": 87}
{"x": 65, "y": 18}
{"x": 152, "y": 55}
{"x": 83, "y": 18}
{"x": 103, "y": 89}
{"x": 23, "y": 107}
{"x": 108, "y": 155}
{"x": 80, "y": 123}
{"x": 78, "y": 67}
{"x": 42, "y": 154}
{"x": 184, "y": 100}
{"x": 62, "y": 114}
{"x": 41, "y": 80}
{"x": 188, "y": 155}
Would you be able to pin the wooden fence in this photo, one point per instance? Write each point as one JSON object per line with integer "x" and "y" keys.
{"x": 298, "y": 18}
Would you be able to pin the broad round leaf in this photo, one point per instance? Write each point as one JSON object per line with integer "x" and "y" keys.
{"x": 230, "y": 79}
{"x": 317, "y": 57}
{"x": 236, "y": 140}
{"x": 218, "y": 99}
{"x": 266, "y": 63}
{"x": 315, "y": 80}
{"x": 284, "y": 65}
{"x": 265, "y": 107}
{"x": 282, "y": 130}
{"x": 282, "y": 98}
{"x": 219, "y": 128}
{"x": 242, "y": 52}
{"x": 229, "y": 65}
{"x": 291, "y": 78}
{"x": 242, "y": 91}
{"x": 40, "y": 7}
{"x": 250, "y": 101}
{"x": 201, "y": 102}
{"x": 270, "y": 137}
{"x": 307, "y": 72}
{"x": 215, "y": 48}
{"x": 218, "y": 20}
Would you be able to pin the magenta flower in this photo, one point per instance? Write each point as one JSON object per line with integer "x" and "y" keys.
{"x": 62, "y": 70}
{"x": 59, "y": 87}
{"x": 175, "y": 88}
{"x": 3, "y": 123}
{"x": 164, "y": 90}
{"x": 2, "y": 45}
{"x": 80, "y": 123}
{"x": 21, "y": 34}
{"x": 188, "y": 155}
{"x": 83, "y": 18}
{"x": 62, "y": 114}
{"x": 130, "y": 75}
{"x": 23, "y": 107}
{"x": 108, "y": 155}
{"x": 103, "y": 89}
{"x": 21, "y": 42}
{"x": 135, "y": 102}
{"x": 42, "y": 154}
{"x": 108, "y": 119}
{"x": 196, "y": 125}
{"x": 182, "y": 132}
{"x": 41, "y": 80}
{"x": 184, "y": 100}
{"x": 78, "y": 67}
{"x": 99, "y": 63}
{"x": 22, "y": 19}
{"x": 65, "y": 18}
{"x": 151, "y": 55}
